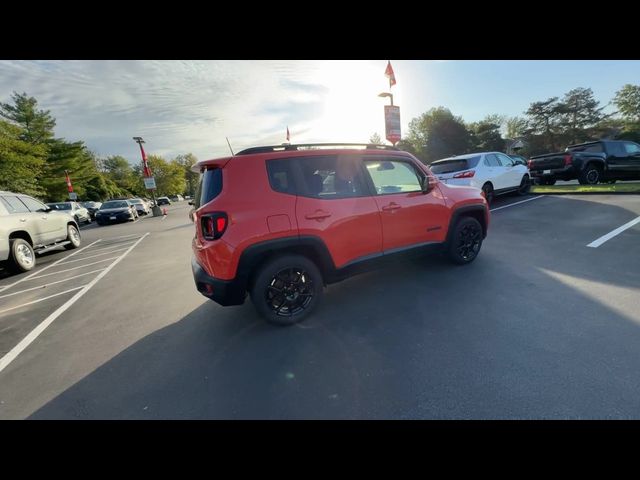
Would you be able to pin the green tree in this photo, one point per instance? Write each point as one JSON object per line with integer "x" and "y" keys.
{"x": 627, "y": 100}
{"x": 37, "y": 124}
{"x": 437, "y": 133}
{"x": 544, "y": 123}
{"x": 75, "y": 159}
{"x": 515, "y": 127}
{"x": 119, "y": 171}
{"x": 21, "y": 162}
{"x": 579, "y": 113}
{"x": 187, "y": 161}
{"x": 486, "y": 134}
{"x": 375, "y": 139}
{"x": 170, "y": 179}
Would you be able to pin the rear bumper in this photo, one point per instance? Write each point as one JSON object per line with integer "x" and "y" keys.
{"x": 224, "y": 292}
{"x": 566, "y": 173}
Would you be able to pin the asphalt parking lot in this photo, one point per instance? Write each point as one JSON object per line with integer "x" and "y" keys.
{"x": 541, "y": 325}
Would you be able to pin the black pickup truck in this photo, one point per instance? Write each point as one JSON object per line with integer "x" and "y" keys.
{"x": 590, "y": 163}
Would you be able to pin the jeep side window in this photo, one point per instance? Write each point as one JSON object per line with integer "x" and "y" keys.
{"x": 334, "y": 176}
{"x": 13, "y": 204}
{"x": 393, "y": 176}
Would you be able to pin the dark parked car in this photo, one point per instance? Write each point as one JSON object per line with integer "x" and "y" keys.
{"x": 590, "y": 163}
{"x": 163, "y": 201}
{"x": 93, "y": 207}
{"x": 116, "y": 211}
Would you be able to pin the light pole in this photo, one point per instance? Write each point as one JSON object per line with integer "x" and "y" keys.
{"x": 387, "y": 94}
{"x": 146, "y": 172}
{"x": 391, "y": 120}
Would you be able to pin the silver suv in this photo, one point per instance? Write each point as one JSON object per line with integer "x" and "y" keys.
{"x": 28, "y": 226}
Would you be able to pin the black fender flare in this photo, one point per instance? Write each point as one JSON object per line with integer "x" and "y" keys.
{"x": 310, "y": 246}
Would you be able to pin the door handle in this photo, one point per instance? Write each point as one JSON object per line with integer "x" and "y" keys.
{"x": 317, "y": 215}
{"x": 391, "y": 207}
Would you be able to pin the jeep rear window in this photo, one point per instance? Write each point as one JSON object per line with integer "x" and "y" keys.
{"x": 209, "y": 187}
{"x": 454, "y": 165}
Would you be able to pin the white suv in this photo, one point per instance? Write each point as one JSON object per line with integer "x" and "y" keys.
{"x": 493, "y": 172}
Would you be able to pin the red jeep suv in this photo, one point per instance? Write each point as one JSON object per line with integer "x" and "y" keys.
{"x": 281, "y": 222}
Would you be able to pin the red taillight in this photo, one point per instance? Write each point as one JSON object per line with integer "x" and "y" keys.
{"x": 467, "y": 174}
{"x": 213, "y": 225}
{"x": 567, "y": 159}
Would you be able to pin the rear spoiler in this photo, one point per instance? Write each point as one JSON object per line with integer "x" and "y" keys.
{"x": 206, "y": 164}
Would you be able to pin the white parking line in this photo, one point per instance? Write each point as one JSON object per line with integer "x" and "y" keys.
{"x": 41, "y": 299}
{"x": 599, "y": 241}
{"x": 111, "y": 247}
{"x": 26, "y": 341}
{"x": 74, "y": 268}
{"x": 2, "y": 289}
{"x": 52, "y": 283}
{"x": 93, "y": 256}
{"x": 122, "y": 236}
{"x": 516, "y": 203}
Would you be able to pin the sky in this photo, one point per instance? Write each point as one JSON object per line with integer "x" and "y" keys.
{"x": 185, "y": 106}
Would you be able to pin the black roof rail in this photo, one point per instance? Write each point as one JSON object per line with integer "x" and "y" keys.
{"x": 305, "y": 146}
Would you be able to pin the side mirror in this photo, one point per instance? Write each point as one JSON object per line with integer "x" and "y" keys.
{"x": 428, "y": 183}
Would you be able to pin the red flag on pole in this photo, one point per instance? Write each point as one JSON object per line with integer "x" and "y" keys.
{"x": 389, "y": 74}
{"x": 68, "y": 180}
{"x": 288, "y": 136}
{"x": 145, "y": 164}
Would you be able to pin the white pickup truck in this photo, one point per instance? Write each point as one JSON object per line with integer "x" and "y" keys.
{"x": 28, "y": 226}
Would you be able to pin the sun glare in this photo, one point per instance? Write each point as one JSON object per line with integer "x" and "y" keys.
{"x": 352, "y": 109}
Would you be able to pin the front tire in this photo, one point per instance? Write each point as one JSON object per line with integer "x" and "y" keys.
{"x": 22, "y": 257}
{"x": 287, "y": 289}
{"x": 466, "y": 241}
{"x": 74, "y": 237}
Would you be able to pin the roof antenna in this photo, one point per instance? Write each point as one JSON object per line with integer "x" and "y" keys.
{"x": 232, "y": 154}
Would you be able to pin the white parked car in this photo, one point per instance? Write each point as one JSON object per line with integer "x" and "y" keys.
{"x": 141, "y": 206}
{"x": 493, "y": 172}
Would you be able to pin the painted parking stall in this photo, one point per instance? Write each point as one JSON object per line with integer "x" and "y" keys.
{"x": 29, "y": 305}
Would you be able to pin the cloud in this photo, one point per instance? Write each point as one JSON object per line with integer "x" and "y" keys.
{"x": 177, "y": 106}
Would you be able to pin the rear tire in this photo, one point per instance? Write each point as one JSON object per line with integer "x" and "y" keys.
{"x": 487, "y": 189}
{"x": 286, "y": 289}
{"x": 22, "y": 257}
{"x": 525, "y": 186}
{"x": 73, "y": 236}
{"x": 466, "y": 241}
